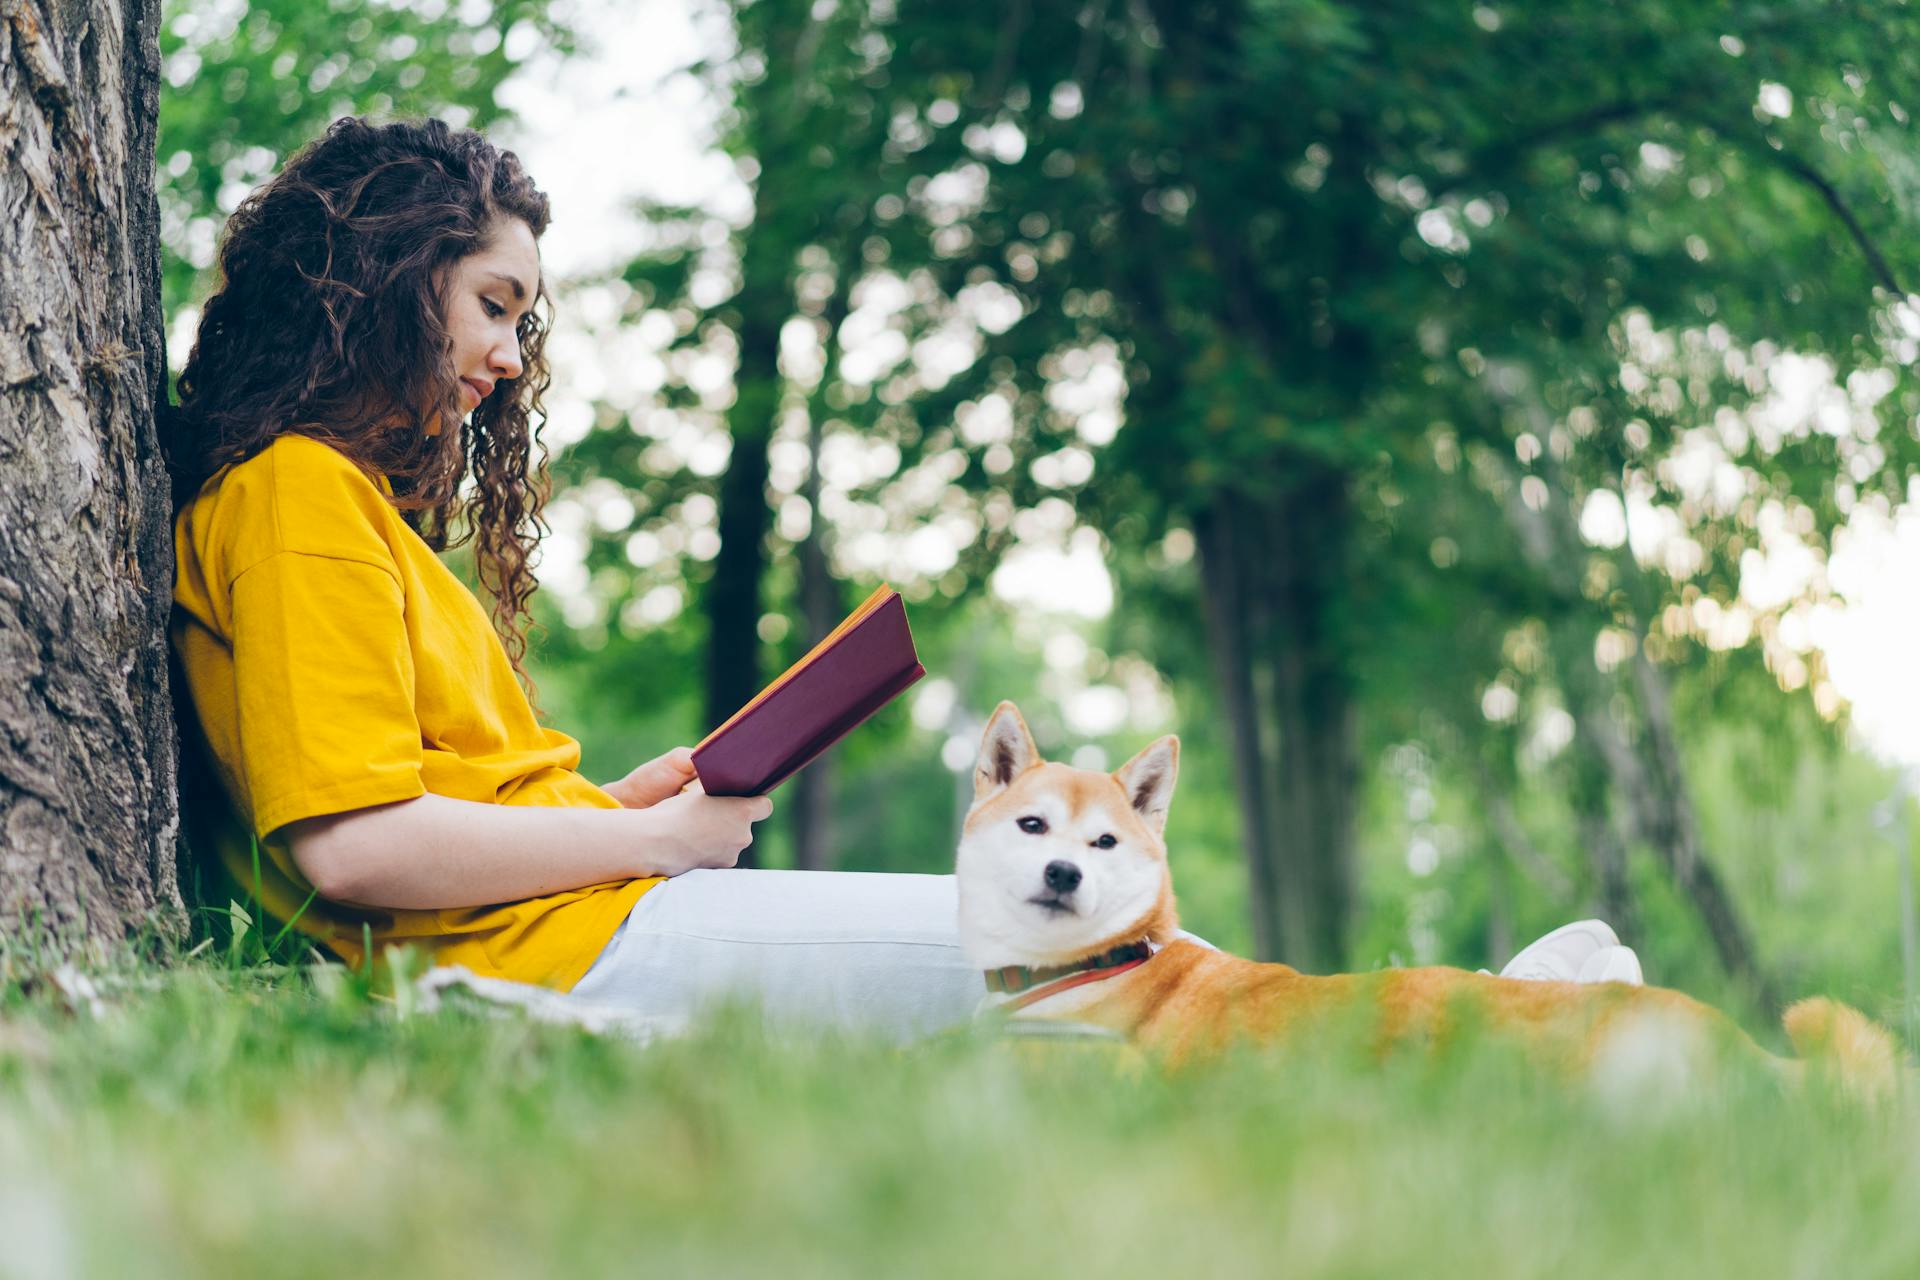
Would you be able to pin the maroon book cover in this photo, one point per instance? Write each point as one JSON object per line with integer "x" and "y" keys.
{"x": 851, "y": 674}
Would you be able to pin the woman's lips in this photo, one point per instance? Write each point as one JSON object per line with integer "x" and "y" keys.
{"x": 479, "y": 393}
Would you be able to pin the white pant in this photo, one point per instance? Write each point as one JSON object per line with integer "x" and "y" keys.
{"x": 854, "y": 950}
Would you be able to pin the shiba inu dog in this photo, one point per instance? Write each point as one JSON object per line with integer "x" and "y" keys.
{"x": 1066, "y": 905}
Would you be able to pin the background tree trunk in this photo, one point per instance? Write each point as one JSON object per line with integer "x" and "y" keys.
{"x": 1224, "y": 571}
{"x": 1311, "y": 693}
{"x": 88, "y": 808}
{"x": 1267, "y": 567}
{"x": 820, "y": 612}
{"x": 735, "y": 596}
{"x": 821, "y": 606}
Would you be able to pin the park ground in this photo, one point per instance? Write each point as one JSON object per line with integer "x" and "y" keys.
{"x": 211, "y": 1120}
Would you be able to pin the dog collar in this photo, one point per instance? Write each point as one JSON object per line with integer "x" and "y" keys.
{"x": 1013, "y": 979}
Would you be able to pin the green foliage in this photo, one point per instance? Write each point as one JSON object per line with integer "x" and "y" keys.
{"x": 247, "y": 82}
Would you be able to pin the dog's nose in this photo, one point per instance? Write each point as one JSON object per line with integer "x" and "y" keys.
{"x": 1062, "y": 877}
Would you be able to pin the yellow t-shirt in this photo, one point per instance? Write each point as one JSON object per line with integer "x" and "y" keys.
{"x": 334, "y": 663}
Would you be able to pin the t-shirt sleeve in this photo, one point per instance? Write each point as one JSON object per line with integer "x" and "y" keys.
{"x": 325, "y": 688}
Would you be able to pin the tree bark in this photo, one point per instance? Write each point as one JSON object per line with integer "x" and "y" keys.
{"x": 1670, "y": 826}
{"x": 733, "y": 593}
{"x": 88, "y": 802}
{"x": 1269, "y": 565}
{"x": 820, "y": 611}
{"x": 1590, "y": 792}
{"x": 763, "y": 304}
{"x": 1499, "y": 940}
{"x": 1318, "y": 715}
{"x": 821, "y": 607}
{"x": 1223, "y": 572}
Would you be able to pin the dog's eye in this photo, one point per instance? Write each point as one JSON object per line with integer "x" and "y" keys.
{"x": 1034, "y": 826}
{"x": 1106, "y": 841}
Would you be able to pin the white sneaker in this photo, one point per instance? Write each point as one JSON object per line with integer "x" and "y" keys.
{"x": 1612, "y": 964}
{"x": 1562, "y": 955}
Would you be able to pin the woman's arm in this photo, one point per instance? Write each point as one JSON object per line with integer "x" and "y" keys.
{"x": 432, "y": 851}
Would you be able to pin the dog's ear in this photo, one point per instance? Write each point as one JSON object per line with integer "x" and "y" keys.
{"x": 1006, "y": 752}
{"x": 1148, "y": 781}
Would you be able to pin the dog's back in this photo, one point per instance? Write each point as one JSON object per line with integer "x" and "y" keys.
{"x": 1191, "y": 999}
{"x": 1194, "y": 1002}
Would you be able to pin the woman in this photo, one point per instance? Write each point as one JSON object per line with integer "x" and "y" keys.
{"x": 376, "y": 342}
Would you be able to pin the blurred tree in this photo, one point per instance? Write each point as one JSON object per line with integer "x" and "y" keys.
{"x": 248, "y": 83}
{"x": 785, "y": 126}
{"x": 1300, "y": 283}
{"x": 789, "y": 265}
{"x": 1314, "y": 230}
{"x": 1381, "y": 289}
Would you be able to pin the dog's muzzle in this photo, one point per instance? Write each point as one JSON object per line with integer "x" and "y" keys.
{"x": 1061, "y": 879}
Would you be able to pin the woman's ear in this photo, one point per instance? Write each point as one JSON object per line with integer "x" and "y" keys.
{"x": 1148, "y": 781}
{"x": 1006, "y": 752}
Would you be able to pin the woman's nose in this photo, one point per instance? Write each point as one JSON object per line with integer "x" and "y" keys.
{"x": 505, "y": 360}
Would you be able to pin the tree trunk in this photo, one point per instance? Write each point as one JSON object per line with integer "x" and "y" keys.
{"x": 1591, "y": 791}
{"x": 733, "y": 593}
{"x": 763, "y": 304}
{"x": 88, "y": 808}
{"x": 1551, "y": 545}
{"x": 1314, "y": 705}
{"x": 1499, "y": 940}
{"x": 1269, "y": 566}
{"x": 1669, "y": 825}
{"x": 1223, "y": 573}
{"x": 821, "y": 606}
{"x": 820, "y": 611}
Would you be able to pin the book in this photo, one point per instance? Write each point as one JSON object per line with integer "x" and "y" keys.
{"x": 866, "y": 662}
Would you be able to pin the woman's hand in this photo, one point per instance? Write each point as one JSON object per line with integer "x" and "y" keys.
{"x": 656, "y": 780}
{"x": 695, "y": 829}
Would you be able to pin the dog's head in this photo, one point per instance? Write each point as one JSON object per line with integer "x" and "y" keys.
{"x": 1057, "y": 863}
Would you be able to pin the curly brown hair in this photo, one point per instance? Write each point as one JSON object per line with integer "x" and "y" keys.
{"x": 329, "y": 323}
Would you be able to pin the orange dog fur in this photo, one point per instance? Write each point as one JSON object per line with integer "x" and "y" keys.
{"x": 1059, "y": 865}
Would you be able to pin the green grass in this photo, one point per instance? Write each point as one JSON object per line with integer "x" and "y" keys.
{"x": 252, "y": 1122}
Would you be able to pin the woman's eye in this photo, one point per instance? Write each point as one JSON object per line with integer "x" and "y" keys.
{"x": 1105, "y": 842}
{"x": 494, "y": 309}
{"x": 1034, "y": 826}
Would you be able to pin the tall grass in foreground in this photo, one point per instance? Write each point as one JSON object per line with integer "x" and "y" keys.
{"x": 225, "y": 1123}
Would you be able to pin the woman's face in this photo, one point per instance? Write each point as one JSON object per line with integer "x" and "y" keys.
{"x": 490, "y": 290}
